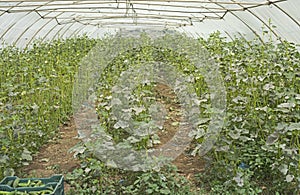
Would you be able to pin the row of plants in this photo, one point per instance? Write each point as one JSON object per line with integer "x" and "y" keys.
{"x": 95, "y": 177}
{"x": 257, "y": 150}
{"x": 139, "y": 107}
{"x": 131, "y": 122}
{"x": 35, "y": 96}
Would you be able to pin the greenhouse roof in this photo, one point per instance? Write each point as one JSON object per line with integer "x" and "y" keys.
{"x": 24, "y": 21}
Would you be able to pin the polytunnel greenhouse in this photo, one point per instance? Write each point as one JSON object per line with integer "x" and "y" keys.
{"x": 150, "y": 97}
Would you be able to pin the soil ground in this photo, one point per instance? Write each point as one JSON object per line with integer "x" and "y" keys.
{"x": 187, "y": 165}
{"x": 55, "y": 158}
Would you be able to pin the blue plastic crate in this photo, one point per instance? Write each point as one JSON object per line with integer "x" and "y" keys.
{"x": 55, "y": 182}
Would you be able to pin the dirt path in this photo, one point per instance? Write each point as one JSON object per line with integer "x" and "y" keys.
{"x": 187, "y": 165}
{"x": 54, "y": 157}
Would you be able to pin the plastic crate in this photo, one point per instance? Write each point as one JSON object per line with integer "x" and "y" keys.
{"x": 56, "y": 182}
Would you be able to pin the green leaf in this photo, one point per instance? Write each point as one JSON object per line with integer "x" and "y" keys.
{"x": 165, "y": 191}
{"x": 287, "y": 105}
{"x": 272, "y": 138}
{"x": 289, "y": 178}
{"x": 26, "y": 155}
{"x": 149, "y": 191}
{"x": 283, "y": 169}
{"x": 293, "y": 126}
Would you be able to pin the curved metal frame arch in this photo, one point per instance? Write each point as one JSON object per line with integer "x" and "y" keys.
{"x": 32, "y": 38}
{"x": 15, "y": 42}
{"x": 248, "y": 26}
{"x": 57, "y": 34}
{"x": 288, "y": 15}
{"x": 26, "y": 29}
{"x": 76, "y": 32}
{"x": 11, "y": 26}
{"x": 43, "y": 39}
{"x": 261, "y": 20}
{"x": 264, "y": 23}
{"x": 48, "y": 6}
{"x": 68, "y": 29}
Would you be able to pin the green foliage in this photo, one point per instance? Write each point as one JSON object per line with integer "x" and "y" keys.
{"x": 143, "y": 95}
{"x": 257, "y": 151}
{"x": 95, "y": 178}
{"x": 166, "y": 181}
{"x": 35, "y": 96}
{"x": 263, "y": 121}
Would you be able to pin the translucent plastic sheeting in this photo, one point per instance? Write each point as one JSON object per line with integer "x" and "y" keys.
{"x": 22, "y": 22}
{"x": 281, "y": 20}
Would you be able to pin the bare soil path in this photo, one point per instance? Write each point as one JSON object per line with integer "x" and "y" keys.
{"x": 187, "y": 165}
{"x": 54, "y": 157}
